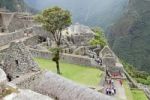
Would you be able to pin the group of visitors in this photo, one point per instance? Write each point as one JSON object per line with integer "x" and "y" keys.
{"x": 110, "y": 90}
{"x": 94, "y": 56}
{"x": 99, "y": 61}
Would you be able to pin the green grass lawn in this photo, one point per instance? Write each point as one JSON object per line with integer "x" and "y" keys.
{"x": 134, "y": 94}
{"x": 80, "y": 74}
{"x": 128, "y": 91}
{"x": 138, "y": 94}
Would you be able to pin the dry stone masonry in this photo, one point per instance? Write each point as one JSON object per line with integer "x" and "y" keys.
{"x": 18, "y": 61}
{"x": 63, "y": 89}
{"x": 21, "y": 39}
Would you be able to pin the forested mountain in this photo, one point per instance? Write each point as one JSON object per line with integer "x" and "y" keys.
{"x": 130, "y": 36}
{"x": 93, "y": 13}
{"x": 16, "y": 5}
{"x": 13, "y": 5}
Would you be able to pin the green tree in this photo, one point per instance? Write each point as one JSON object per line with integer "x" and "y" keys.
{"x": 54, "y": 20}
{"x": 99, "y": 38}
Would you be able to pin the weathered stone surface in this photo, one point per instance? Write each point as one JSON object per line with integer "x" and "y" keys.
{"x": 69, "y": 58}
{"x": 11, "y": 21}
{"x": 28, "y": 81}
{"x": 78, "y": 34}
{"x": 80, "y": 50}
{"x": 108, "y": 57}
{"x": 26, "y": 95}
{"x": 3, "y": 78}
{"x": 63, "y": 89}
{"x": 18, "y": 61}
{"x": 106, "y": 52}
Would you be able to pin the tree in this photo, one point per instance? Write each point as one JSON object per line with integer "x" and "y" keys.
{"x": 54, "y": 20}
{"x": 99, "y": 38}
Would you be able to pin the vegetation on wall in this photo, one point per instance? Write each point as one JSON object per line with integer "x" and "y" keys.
{"x": 139, "y": 76}
{"x": 99, "y": 38}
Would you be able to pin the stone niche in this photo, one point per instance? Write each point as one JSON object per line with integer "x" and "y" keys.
{"x": 18, "y": 61}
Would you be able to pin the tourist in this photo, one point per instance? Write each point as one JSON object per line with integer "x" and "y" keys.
{"x": 107, "y": 91}
{"x": 112, "y": 82}
{"x": 112, "y": 92}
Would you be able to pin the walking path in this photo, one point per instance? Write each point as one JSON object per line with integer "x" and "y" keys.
{"x": 120, "y": 90}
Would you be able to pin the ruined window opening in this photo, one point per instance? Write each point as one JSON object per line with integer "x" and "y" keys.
{"x": 17, "y": 76}
{"x": 3, "y": 30}
{"x": 9, "y": 78}
{"x": 17, "y": 62}
{"x": 41, "y": 39}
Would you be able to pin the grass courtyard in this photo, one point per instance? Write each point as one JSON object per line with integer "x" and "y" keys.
{"x": 80, "y": 74}
{"x": 138, "y": 94}
{"x": 134, "y": 94}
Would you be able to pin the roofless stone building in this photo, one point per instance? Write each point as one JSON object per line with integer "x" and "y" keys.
{"x": 12, "y": 21}
{"x": 17, "y": 61}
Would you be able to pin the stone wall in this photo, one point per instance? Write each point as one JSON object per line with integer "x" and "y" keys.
{"x": 109, "y": 61}
{"x": 63, "y": 89}
{"x": 76, "y": 59}
{"x": 38, "y": 30}
{"x": 8, "y": 37}
{"x": 133, "y": 82}
{"x": 34, "y": 40}
{"x": 18, "y": 61}
{"x": 50, "y": 84}
{"x": 69, "y": 58}
{"x": 28, "y": 81}
{"x": 41, "y": 54}
{"x": 15, "y": 23}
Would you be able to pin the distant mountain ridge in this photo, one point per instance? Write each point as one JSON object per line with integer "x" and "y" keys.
{"x": 130, "y": 36}
{"x": 13, "y": 5}
{"x": 16, "y": 5}
{"x": 92, "y": 13}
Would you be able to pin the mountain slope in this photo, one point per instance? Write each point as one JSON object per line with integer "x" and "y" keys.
{"x": 92, "y": 13}
{"x": 13, "y": 5}
{"x": 130, "y": 36}
{"x": 16, "y": 5}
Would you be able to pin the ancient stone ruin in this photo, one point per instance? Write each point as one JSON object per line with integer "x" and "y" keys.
{"x": 46, "y": 83}
{"x": 21, "y": 40}
{"x": 17, "y": 60}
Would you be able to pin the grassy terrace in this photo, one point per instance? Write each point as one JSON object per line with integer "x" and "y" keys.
{"x": 138, "y": 94}
{"x": 128, "y": 91}
{"x": 134, "y": 94}
{"x": 80, "y": 74}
